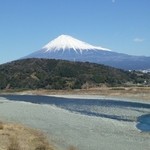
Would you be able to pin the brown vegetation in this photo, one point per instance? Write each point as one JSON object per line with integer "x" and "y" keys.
{"x": 139, "y": 93}
{"x": 72, "y": 148}
{"x": 17, "y": 137}
{"x": 1, "y": 125}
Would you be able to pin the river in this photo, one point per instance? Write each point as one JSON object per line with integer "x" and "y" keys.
{"x": 87, "y": 124}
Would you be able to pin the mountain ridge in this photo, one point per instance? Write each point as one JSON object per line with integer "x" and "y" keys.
{"x": 66, "y": 47}
{"x": 60, "y": 74}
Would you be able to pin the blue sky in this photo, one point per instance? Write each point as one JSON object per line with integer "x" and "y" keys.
{"x": 120, "y": 25}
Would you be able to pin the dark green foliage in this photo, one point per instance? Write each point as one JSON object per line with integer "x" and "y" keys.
{"x": 59, "y": 74}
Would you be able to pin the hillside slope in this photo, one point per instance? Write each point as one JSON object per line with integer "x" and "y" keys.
{"x": 59, "y": 74}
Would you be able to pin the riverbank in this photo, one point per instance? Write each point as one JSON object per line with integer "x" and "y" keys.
{"x": 138, "y": 93}
{"x": 86, "y": 124}
{"x": 19, "y": 137}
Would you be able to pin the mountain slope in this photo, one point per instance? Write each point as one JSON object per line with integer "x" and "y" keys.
{"x": 58, "y": 74}
{"x": 66, "y": 47}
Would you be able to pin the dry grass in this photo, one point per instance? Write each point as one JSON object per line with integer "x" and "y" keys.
{"x": 139, "y": 93}
{"x": 125, "y": 92}
{"x": 14, "y": 145}
{"x": 17, "y": 137}
{"x": 1, "y": 126}
{"x": 72, "y": 148}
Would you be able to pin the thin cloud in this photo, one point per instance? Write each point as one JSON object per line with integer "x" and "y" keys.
{"x": 138, "y": 40}
{"x": 113, "y": 1}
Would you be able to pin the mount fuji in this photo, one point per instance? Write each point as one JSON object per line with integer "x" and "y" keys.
{"x": 66, "y": 47}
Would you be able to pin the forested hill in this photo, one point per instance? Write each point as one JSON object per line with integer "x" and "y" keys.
{"x": 58, "y": 74}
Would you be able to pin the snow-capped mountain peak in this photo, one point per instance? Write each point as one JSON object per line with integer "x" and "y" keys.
{"x": 66, "y": 47}
{"x": 64, "y": 42}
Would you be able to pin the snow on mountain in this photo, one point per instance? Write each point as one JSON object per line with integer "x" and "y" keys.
{"x": 65, "y": 42}
{"x": 66, "y": 47}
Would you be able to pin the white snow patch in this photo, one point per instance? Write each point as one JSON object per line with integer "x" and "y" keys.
{"x": 68, "y": 42}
